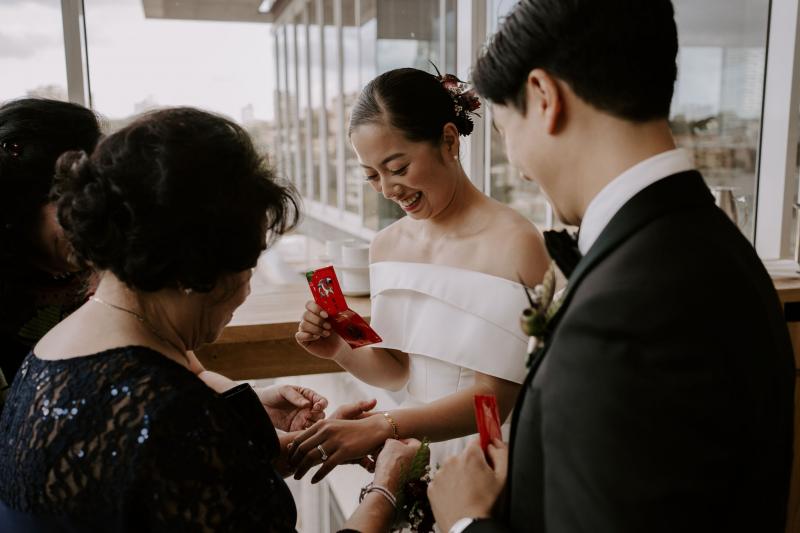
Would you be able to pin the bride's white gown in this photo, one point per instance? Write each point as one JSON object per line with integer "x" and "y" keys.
{"x": 452, "y": 322}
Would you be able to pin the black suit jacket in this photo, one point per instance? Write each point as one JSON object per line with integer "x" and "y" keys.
{"x": 664, "y": 401}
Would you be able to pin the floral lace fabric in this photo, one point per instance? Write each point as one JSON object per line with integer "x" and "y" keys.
{"x": 127, "y": 440}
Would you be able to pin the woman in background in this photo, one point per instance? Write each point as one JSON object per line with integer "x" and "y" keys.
{"x": 40, "y": 280}
{"x": 107, "y": 427}
{"x": 446, "y": 280}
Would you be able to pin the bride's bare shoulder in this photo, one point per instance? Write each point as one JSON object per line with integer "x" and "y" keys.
{"x": 514, "y": 247}
{"x": 385, "y": 241}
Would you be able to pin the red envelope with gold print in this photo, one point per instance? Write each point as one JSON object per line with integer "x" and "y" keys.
{"x": 344, "y": 321}
{"x": 487, "y": 418}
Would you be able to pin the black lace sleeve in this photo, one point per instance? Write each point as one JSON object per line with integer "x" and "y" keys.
{"x": 129, "y": 441}
{"x": 204, "y": 471}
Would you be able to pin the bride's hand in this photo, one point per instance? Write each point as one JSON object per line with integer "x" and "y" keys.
{"x": 314, "y": 333}
{"x": 341, "y": 440}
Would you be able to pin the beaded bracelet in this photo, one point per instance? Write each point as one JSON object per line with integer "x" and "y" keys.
{"x": 383, "y": 491}
{"x": 395, "y": 428}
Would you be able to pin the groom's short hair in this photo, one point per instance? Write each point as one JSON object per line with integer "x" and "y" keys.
{"x": 616, "y": 55}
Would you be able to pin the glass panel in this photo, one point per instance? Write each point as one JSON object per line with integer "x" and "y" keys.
{"x": 32, "y": 43}
{"x": 291, "y": 104}
{"x": 332, "y": 96}
{"x": 505, "y": 183}
{"x": 408, "y": 35}
{"x": 139, "y": 62}
{"x": 352, "y": 86}
{"x": 280, "y": 148}
{"x": 451, "y": 36}
{"x": 716, "y": 110}
{"x": 301, "y": 32}
{"x": 315, "y": 56}
{"x": 368, "y": 36}
{"x": 287, "y": 107}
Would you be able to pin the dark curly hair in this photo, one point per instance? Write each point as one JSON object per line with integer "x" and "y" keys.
{"x": 412, "y": 101}
{"x": 34, "y": 132}
{"x": 178, "y": 198}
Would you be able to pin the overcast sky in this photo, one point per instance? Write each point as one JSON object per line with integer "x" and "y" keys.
{"x": 220, "y": 66}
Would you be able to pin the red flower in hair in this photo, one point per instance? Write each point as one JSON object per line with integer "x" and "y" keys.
{"x": 465, "y": 100}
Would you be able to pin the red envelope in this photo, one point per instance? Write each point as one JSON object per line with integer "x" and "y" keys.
{"x": 488, "y": 420}
{"x": 344, "y": 321}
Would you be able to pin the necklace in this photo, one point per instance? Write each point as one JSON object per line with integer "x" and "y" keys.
{"x": 146, "y": 323}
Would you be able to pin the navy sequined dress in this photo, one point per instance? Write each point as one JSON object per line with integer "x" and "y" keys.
{"x": 128, "y": 440}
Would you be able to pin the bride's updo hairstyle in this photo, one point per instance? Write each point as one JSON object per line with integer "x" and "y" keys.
{"x": 417, "y": 103}
{"x": 178, "y": 198}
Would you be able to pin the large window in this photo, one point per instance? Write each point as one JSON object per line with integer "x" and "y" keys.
{"x": 716, "y": 110}
{"x": 137, "y": 63}
{"x": 32, "y": 50}
{"x": 350, "y": 43}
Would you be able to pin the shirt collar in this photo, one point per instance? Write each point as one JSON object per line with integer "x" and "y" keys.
{"x": 615, "y": 194}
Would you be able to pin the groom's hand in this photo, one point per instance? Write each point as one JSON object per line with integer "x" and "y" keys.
{"x": 467, "y": 486}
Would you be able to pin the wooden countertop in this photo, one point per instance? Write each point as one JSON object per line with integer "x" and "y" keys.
{"x": 788, "y": 289}
{"x": 259, "y": 341}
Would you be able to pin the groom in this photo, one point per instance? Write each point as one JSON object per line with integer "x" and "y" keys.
{"x": 663, "y": 399}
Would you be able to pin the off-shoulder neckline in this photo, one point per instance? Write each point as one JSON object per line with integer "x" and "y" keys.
{"x": 448, "y": 267}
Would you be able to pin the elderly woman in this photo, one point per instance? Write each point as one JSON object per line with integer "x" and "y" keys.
{"x": 41, "y": 280}
{"x": 106, "y": 426}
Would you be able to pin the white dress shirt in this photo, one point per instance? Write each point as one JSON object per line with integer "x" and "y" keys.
{"x": 613, "y": 196}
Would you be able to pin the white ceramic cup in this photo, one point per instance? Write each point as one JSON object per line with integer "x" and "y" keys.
{"x": 355, "y": 255}
{"x": 333, "y": 249}
{"x": 355, "y": 281}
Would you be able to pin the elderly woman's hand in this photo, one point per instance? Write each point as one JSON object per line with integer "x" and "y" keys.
{"x": 395, "y": 457}
{"x": 292, "y": 408}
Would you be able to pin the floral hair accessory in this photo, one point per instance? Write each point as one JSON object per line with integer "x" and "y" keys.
{"x": 465, "y": 99}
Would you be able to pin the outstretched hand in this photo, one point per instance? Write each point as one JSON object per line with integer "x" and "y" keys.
{"x": 292, "y": 408}
{"x": 348, "y": 436}
{"x": 467, "y": 485}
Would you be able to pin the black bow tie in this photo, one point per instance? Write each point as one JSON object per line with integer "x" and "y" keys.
{"x": 563, "y": 248}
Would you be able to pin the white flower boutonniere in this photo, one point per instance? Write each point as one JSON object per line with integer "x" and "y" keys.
{"x": 544, "y": 304}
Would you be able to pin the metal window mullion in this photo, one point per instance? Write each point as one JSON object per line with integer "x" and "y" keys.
{"x": 286, "y": 109}
{"x": 276, "y": 105}
{"x": 309, "y": 136}
{"x": 443, "y": 35}
{"x": 75, "y": 54}
{"x": 472, "y": 20}
{"x": 298, "y": 138}
{"x": 323, "y": 115}
{"x": 340, "y": 134}
{"x": 777, "y": 162}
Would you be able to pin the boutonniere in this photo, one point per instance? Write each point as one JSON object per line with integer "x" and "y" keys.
{"x": 544, "y": 304}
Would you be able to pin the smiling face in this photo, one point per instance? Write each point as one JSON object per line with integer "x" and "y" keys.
{"x": 420, "y": 177}
{"x": 540, "y": 144}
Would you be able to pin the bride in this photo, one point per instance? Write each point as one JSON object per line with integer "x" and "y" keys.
{"x": 445, "y": 279}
